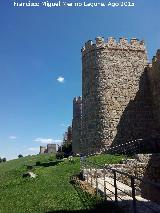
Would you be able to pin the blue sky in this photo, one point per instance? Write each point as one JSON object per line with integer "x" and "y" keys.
{"x": 39, "y": 46}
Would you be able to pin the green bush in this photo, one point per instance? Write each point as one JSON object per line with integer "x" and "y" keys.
{"x": 29, "y": 167}
{"x": 38, "y": 163}
{"x": 60, "y": 155}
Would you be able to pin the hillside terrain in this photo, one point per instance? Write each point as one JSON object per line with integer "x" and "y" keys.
{"x": 50, "y": 191}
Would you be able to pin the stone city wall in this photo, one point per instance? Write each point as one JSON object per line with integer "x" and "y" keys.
{"x": 117, "y": 106}
{"x": 77, "y": 125}
{"x": 154, "y": 78}
{"x": 144, "y": 166}
{"x": 42, "y": 150}
{"x": 51, "y": 148}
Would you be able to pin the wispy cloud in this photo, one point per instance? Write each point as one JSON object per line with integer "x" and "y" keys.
{"x": 47, "y": 140}
{"x": 44, "y": 140}
{"x": 63, "y": 125}
{"x": 12, "y": 137}
{"x": 33, "y": 149}
{"x": 60, "y": 79}
{"x": 57, "y": 141}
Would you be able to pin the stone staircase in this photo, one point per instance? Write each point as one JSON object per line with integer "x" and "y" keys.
{"x": 124, "y": 195}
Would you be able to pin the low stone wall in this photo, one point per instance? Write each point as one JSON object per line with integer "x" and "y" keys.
{"x": 131, "y": 167}
{"x": 152, "y": 173}
{"x": 146, "y": 167}
{"x": 143, "y": 166}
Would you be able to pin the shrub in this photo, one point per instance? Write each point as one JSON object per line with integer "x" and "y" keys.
{"x": 60, "y": 155}
{"x": 4, "y": 159}
{"x": 38, "y": 163}
{"x": 29, "y": 167}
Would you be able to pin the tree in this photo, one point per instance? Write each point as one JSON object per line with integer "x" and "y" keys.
{"x": 0, "y": 160}
{"x": 20, "y": 156}
{"x": 67, "y": 149}
{"x": 59, "y": 148}
{"x": 4, "y": 159}
{"x": 60, "y": 155}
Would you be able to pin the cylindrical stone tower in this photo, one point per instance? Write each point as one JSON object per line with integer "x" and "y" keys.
{"x": 154, "y": 77}
{"x": 116, "y": 103}
{"x": 42, "y": 150}
{"x": 77, "y": 125}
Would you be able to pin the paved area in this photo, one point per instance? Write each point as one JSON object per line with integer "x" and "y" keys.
{"x": 124, "y": 194}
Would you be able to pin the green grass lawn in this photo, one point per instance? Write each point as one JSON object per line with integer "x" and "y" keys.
{"x": 50, "y": 191}
{"x": 106, "y": 159}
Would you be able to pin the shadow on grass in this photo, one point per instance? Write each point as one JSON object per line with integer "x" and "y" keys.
{"x": 106, "y": 207}
{"x": 47, "y": 164}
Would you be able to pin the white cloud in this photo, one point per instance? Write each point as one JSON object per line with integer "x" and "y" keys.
{"x": 33, "y": 149}
{"x": 62, "y": 125}
{"x": 12, "y": 137}
{"x": 44, "y": 140}
{"x": 60, "y": 79}
{"x": 57, "y": 141}
{"x": 47, "y": 140}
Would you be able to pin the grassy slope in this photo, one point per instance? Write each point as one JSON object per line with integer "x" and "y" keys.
{"x": 51, "y": 190}
{"x": 106, "y": 159}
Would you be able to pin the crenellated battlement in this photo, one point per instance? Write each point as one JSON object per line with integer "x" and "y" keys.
{"x": 154, "y": 79}
{"x": 156, "y": 58}
{"x": 155, "y": 61}
{"x": 114, "y": 92}
{"x": 77, "y": 100}
{"x": 158, "y": 54}
{"x": 112, "y": 43}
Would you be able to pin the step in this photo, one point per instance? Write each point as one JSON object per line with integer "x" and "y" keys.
{"x": 110, "y": 189}
{"x": 125, "y": 201}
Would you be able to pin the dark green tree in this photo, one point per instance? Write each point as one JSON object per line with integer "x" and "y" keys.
{"x": 4, "y": 159}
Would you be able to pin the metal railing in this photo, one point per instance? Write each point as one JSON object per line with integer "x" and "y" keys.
{"x": 95, "y": 173}
{"x": 128, "y": 147}
{"x": 136, "y": 146}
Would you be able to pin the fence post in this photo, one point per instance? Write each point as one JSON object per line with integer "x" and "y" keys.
{"x": 91, "y": 180}
{"x": 87, "y": 176}
{"x": 90, "y": 176}
{"x": 104, "y": 176}
{"x": 133, "y": 195}
{"x": 115, "y": 186}
{"x": 96, "y": 184}
{"x": 105, "y": 191}
{"x": 105, "y": 196}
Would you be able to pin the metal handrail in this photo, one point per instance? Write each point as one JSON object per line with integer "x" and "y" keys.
{"x": 134, "y": 144}
{"x": 120, "y": 198}
{"x": 124, "y": 192}
{"x": 110, "y": 191}
{"x": 109, "y": 197}
{"x": 109, "y": 183}
{"x": 133, "y": 178}
{"x": 126, "y": 174}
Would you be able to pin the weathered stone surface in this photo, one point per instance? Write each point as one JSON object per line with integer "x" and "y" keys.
{"x": 144, "y": 166}
{"x": 154, "y": 77}
{"x": 117, "y": 105}
{"x": 77, "y": 125}
{"x": 42, "y": 150}
{"x": 51, "y": 148}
